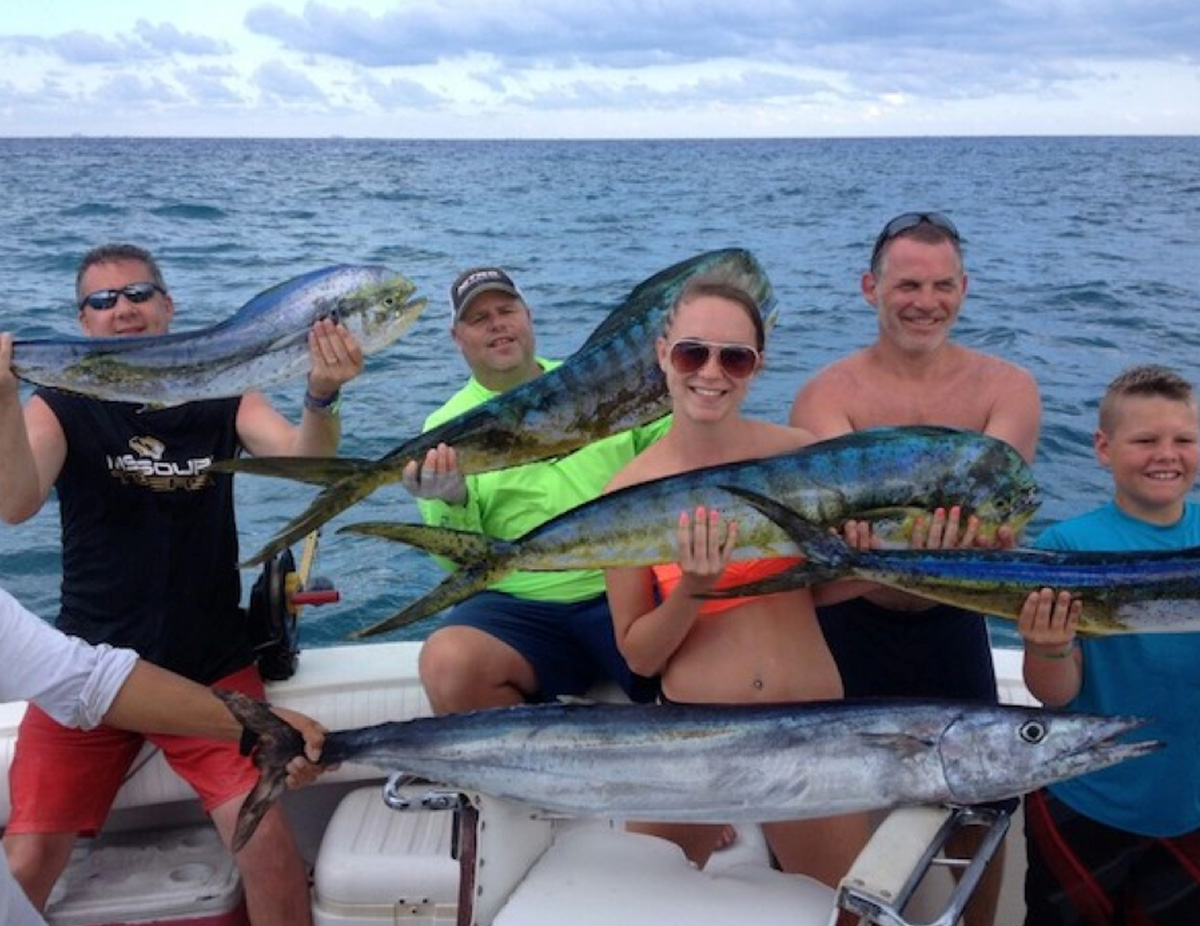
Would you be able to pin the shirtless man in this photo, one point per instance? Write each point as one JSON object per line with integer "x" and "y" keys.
{"x": 914, "y": 374}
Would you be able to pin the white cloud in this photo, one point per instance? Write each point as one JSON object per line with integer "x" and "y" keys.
{"x": 689, "y": 67}
{"x": 282, "y": 82}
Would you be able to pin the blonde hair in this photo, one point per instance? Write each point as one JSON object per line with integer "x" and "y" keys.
{"x": 1147, "y": 380}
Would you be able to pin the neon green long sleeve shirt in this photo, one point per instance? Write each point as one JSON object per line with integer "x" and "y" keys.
{"x": 509, "y": 502}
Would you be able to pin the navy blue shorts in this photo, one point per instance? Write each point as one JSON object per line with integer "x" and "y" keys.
{"x": 570, "y": 646}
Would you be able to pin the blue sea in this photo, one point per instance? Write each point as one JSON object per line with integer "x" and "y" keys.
{"x": 1083, "y": 256}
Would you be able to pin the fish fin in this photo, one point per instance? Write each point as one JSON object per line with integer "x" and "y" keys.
{"x": 453, "y": 589}
{"x": 329, "y": 503}
{"x": 275, "y": 744}
{"x": 320, "y": 471}
{"x": 801, "y": 575}
{"x": 772, "y": 316}
{"x": 819, "y": 547}
{"x": 825, "y": 554}
{"x": 734, "y": 265}
{"x": 460, "y": 547}
{"x": 902, "y": 745}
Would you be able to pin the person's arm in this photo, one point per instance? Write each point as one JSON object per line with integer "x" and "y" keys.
{"x": 648, "y": 633}
{"x": 1016, "y": 415}
{"x": 819, "y": 406}
{"x": 153, "y": 700}
{"x": 1053, "y": 664}
{"x": 335, "y": 359}
{"x": 32, "y": 446}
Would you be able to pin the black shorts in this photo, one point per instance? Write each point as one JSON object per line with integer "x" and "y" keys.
{"x": 942, "y": 652}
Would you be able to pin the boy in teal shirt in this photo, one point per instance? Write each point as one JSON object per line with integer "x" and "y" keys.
{"x": 1122, "y": 845}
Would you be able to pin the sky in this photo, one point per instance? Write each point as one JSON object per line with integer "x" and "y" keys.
{"x": 599, "y": 68}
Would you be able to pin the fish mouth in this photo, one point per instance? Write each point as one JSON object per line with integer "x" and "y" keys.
{"x": 1050, "y": 746}
{"x": 1104, "y": 749}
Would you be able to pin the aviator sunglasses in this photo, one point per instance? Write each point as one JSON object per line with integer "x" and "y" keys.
{"x": 689, "y": 355}
{"x": 903, "y": 223}
{"x": 136, "y": 293}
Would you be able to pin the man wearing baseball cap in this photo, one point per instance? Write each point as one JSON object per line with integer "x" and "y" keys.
{"x": 532, "y": 636}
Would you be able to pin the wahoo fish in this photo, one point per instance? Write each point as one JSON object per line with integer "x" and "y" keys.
{"x": 612, "y": 383}
{"x": 886, "y": 475}
{"x": 713, "y": 763}
{"x": 1150, "y": 592}
{"x": 263, "y": 344}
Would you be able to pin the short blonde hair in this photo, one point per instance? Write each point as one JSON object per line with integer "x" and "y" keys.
{"x": 1147, "y": 380}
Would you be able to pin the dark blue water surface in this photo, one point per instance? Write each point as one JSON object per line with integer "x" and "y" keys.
{"x": 1083, "y": 255}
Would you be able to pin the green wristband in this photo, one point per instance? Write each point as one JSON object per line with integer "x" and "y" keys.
{"x": 1057, "y": 654}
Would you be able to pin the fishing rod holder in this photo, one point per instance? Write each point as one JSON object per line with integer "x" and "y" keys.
{"x": 397, "y": 795}
{"x": 883, "y": 879}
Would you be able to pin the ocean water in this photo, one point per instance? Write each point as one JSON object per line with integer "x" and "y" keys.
{"x": 1083, "y": 256}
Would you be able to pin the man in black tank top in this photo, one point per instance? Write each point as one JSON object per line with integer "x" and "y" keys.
{"x": 150, "y": 563}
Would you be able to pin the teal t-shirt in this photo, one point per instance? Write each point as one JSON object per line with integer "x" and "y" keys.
{"x": 510, "y": 502}
{"x": 1150, "y": 675}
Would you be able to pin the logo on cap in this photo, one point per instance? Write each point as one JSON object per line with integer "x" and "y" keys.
{"x": 479, "y": 280}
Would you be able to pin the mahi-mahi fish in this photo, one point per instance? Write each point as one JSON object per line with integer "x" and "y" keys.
{"x": 886, "y": 475}
{"x": 612, "y": 383}
{"x": 1127, "y": 592}
{"x": 261, "y": 345}
{"x": 714, "y": 763}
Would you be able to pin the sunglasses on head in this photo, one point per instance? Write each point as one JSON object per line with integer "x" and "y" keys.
{"x": 136, "y": 293}
{"x": 909, "y": 220}
{"x": 689, "y": 355}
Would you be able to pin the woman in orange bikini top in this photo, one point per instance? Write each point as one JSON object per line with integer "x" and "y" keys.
{"x": 767, "y": 648}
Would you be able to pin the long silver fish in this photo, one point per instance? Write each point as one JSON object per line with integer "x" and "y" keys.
{"x": 714, "y": 763}
{"x": 612, "y": 383}
{"x": 889, "y": 473}
{"x": 1152, "y": 592}
{"x": 264, "y": 343}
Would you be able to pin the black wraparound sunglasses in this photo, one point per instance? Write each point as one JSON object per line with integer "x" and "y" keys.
{"x": 136, "y": 293}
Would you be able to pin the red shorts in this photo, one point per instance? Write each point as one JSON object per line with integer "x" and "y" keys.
{"x": 64, "y": 780}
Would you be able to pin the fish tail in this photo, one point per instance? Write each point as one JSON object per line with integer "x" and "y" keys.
{"x": 826, "y": 556}
{"x": 319, "y": 471}
{"x": 276, "y": 744}
{"x": 462, "y": 548}
{"x": 454, "y": 588}
{"x": 330, "y": 503}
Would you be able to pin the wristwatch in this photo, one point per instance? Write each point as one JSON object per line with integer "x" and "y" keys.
{"x": 330, "y": 406}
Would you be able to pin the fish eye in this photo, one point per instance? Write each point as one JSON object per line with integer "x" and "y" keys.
{"x": 1032, "y": 731}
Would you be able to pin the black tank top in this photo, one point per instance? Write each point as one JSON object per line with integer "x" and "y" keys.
{"x": 149, "y": 538}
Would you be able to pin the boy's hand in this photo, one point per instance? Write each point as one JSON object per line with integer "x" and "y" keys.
{"x": 1048, "y": 622}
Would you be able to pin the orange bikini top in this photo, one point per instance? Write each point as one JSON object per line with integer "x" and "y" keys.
{"x": 738, "y": 572}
